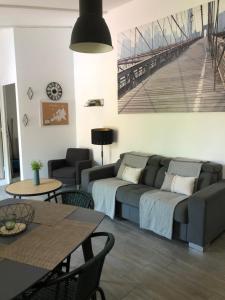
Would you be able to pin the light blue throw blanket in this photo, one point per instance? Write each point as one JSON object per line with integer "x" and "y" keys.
{"x": 104, "y": 194}
{"x": 104, "y": 190}
{"x": 157, "y": 209}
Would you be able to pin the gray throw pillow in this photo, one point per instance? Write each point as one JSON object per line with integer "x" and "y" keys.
{"x": 167, "y": 183}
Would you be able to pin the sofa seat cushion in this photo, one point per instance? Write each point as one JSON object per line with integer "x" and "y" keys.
{"x": 130, "y": 194}
{"x": 181, "y": 212}
{"x": 64, "y": 172}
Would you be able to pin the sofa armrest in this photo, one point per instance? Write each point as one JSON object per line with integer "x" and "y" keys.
{"x": 81, "y": 165}
{"x": 96, "y": 173}
{"x": 206, "y": 212}
{"x": 55, "y": 164}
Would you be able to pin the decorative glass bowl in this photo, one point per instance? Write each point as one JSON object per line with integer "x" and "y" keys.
{"x": 14, "y": 218}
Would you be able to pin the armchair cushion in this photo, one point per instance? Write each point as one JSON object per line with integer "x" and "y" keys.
{"x": 75, "y": 154}
{"x": 65, "y": 172}
{"x": 55, "y": 164}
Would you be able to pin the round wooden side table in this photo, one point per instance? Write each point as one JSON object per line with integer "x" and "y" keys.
{"x": 26, "y": 188}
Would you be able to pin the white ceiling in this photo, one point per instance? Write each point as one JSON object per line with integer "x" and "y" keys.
{"x": 57, "y": 4}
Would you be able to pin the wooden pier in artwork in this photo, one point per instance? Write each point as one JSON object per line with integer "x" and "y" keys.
{"x": 184, "y": 72}
{"x": 184, "y": 84}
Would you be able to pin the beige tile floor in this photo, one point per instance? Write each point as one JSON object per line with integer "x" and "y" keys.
{"x": 143, "y": 266}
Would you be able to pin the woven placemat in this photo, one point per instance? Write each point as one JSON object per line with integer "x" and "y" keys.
{"x": 47, "y": 213}
{"x": 47, "y": 246}
{"x": 2, "y": 248}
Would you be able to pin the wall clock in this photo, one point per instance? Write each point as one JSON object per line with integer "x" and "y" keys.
{"x": 54, "y": 91}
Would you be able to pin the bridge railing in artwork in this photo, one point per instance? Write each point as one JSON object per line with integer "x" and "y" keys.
{"x": 220, "y": 59}
{"x": 135, "y": 74}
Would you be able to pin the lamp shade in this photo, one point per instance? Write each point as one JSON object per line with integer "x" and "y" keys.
{"x": 91, "y": 33}
{"x": 101, "y": 136}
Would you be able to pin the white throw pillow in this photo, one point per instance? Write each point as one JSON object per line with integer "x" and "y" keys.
{"x": 131, "y": 174}
{"x": 183, "y": 185}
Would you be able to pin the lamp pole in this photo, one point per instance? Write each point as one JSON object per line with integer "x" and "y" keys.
{"x": 102, "y": 154}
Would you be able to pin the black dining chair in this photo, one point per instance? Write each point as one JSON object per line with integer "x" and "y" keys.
{"x": 81, "y": 283}
{"x": 74, "y": 197}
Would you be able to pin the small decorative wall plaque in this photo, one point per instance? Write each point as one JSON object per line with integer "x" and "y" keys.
{"x": 25, "y": 120}
{"x": 95, "y": 102}
{"x": 30, "y": 93}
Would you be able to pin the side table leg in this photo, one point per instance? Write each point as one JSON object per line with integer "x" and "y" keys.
{"x": 56, "y": 201}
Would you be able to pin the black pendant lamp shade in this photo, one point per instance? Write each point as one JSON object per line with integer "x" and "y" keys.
{"x": 91, "y": 33}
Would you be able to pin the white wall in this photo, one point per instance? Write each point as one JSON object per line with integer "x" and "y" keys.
{"x": 16, "y": 17}
{"x": 194, "y": 135}
{"x": 7, "y": 76}
{"x": 42, "y": 56}
{"x": 7, "y": 57}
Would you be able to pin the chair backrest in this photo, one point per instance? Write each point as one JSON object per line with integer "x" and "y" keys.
{"x": 76, "y": 154}
{"x": 90, "y": 273}
{"x": 77, "y": 198}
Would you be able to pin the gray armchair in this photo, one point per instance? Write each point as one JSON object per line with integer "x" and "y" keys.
{"x": 68, "y": 170}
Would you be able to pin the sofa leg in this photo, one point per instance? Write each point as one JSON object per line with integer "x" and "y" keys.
{"x": 197, "y": 247}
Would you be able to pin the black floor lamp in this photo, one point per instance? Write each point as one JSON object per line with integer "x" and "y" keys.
{"x": 101, "y": 136}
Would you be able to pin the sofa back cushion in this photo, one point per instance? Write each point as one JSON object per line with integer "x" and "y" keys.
{"x": 164, "y": 164}
{"x": 154, "y": 172}
{"x": 120, "y": 160}
{"x": 210, "y": 173}
{"x": 150, "y": 171}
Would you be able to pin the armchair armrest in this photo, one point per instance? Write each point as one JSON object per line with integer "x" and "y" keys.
{"x": 206, "y": 211}
{"x": 81, "y": 165}
{"x": 55, "y": 164}
{"x": 95, "y": 173}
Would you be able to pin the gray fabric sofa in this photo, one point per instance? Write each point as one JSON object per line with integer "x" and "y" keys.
{"x": 198, "y": 220}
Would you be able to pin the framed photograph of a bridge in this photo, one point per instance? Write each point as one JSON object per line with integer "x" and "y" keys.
{"x": 175, "y": 64}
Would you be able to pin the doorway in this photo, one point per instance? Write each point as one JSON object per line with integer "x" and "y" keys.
{"x": 9, "y": 92}
{"x": 2, "y": 171}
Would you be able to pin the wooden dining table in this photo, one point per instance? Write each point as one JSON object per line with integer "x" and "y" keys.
{"x": 56, "y": 231}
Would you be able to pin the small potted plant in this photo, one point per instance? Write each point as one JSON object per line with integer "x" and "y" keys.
{"x": 36, "y": 166}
